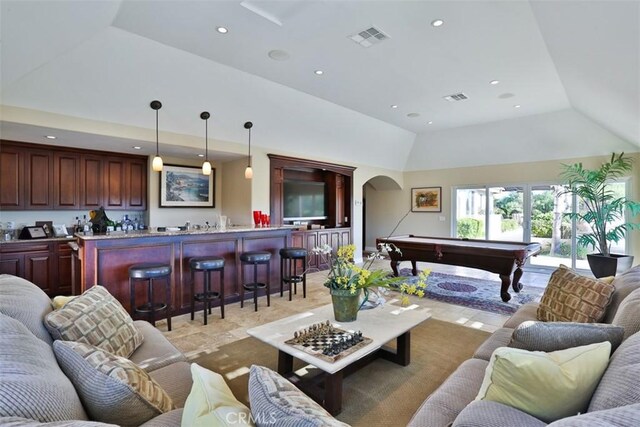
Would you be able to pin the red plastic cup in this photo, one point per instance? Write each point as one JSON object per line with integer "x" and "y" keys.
{"x": 264, "y": 219}
{"x": 257, "y": 216}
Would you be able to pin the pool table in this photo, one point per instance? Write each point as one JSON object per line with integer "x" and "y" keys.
{"x": 494, "y": 256}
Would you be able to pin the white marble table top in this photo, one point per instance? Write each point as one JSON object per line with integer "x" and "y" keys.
{"x": 381, "y": 324}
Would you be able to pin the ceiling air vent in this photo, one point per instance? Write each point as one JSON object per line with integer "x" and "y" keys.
{"x": 369, "y": 37}
{"x": 456, "y": 97}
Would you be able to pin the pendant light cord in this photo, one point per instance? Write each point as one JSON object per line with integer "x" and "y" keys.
{"x": 206, "y": 140}
{"x": 157, "y": 143}
{"x": 249, "y": 157}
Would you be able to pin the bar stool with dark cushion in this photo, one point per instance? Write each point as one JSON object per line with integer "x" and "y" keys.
{"x": 150, "y": 272}
{"x": 207, "y": 265}
{"x": 289, "y": 258}
{"x": 255, "y": 258}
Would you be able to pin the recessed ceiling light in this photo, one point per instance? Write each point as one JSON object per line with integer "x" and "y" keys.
{"x": 319, "y": 72}
{"x": 516, "y": 106}
{"x": 222, "y": 30}
{"x": 278, "y": 55}
{"x": 394, "y": 106}
{"x": 50, "y": 137}
{"x": 135, "y": 147}
{"x": 429, "y": 122}
{"x": 200, "y": 155}
{"x": 413, "y": 115}
{"x": 494, "y": 82}
{"x": 437, "y": 23}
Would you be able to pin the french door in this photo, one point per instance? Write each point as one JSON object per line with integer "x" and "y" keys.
{"x": 526, "y": 212}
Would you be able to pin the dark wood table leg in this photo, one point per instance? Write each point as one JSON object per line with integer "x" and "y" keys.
{"x": 394, "y": 267}
{"x": 285, "y": 363}
{"x": 515, "y": 284}
{"x": 333, "y": 393}
{"x": 402, "y": 355}
{"x": 504, "y": 290}
{"x": 414, "y": 267}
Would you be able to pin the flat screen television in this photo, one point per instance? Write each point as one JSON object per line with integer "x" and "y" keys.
{"x": 304, "y": 200}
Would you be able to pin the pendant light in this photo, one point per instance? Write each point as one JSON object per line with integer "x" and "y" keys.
{"x": 157, "y": 160}
{"x": 206, "y": 166}
{"x": 248, "y": 172}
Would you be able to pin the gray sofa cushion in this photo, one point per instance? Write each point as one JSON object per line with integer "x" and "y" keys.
{"x": 32, "y": 384}
{"x": 443, "y": 406}
{"x": 25, "y": 302}
{"x": 624, "y": 283}
{"x": 500, "y": 338}
{"x": 25, "y": 422}
{"x": 628, "y": 314}
{"x": 619, "y": 384}
{"x": 524, "y": 313}
{"x": 624, "y": 416}
{"x": 485, "y": 413}
{"x": 168, "y": 419}
{"x": 176, "y": 380}
{"x": 112, "y": 388}
{"x": 554, "y": 336}
{"x": 155, "y": 351}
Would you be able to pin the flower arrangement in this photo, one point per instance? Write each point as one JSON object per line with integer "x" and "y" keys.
{"x": 344, "y": 274}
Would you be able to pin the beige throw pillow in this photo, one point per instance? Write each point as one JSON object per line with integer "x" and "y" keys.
{"x": 211, "y": 402}
{"x": 95, "y": 318}
{"x": 112, "y": 389}
{"x": 548, "y": 386}
{"x": 570, "y": 297}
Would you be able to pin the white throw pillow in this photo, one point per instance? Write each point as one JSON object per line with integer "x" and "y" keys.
{"x": 211, "y": 402}
{"x": 548, "y": 386}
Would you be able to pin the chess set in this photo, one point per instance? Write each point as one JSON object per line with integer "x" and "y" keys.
{"x": 326, "y": 342}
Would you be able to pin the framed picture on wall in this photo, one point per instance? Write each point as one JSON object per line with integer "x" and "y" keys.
{"x": 186, "y": 187}
{"x": 426, "y": 199}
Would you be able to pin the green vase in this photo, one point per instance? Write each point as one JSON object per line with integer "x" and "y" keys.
{"x": 345, "y": 304}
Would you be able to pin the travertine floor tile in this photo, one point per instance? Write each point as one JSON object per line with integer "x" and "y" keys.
{"x": 194, "y": 339}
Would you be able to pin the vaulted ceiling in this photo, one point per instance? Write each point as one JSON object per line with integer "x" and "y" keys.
{"x": 572, "y": 68}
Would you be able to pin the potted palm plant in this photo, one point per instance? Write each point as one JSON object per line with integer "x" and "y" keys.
{"x": 603, "y": 211}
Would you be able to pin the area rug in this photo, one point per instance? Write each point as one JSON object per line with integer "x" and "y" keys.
{"x": 380, "y": 394}
{"x": 475, "y": 293}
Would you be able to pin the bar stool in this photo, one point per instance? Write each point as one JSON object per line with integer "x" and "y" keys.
{"x": 289, "y": 258}
{"x": 256, "y": 258}
{"x": 207, "y": 265}
{"x": 150, "y": 272}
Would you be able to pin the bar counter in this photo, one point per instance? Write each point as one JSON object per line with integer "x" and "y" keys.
{"x": 105, "y": 259}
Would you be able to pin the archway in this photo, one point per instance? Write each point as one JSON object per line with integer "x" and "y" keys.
{"x": 376, "y": 189}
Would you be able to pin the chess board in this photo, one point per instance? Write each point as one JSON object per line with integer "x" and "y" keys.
{"x": 327, "y": 342}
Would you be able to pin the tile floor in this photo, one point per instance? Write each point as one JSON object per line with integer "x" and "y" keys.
{"x": 195, "y": 339}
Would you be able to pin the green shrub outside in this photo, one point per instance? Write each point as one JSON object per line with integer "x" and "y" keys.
{"x": 508, "y": 224}
{"x": 470, "y": 228}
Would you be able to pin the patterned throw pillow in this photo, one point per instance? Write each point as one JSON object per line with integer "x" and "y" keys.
{"x": 570, "y": 297}
{"x": 275, "y": 401}
{"x": 113, "y": 389}
{"x": 96, "y": 318}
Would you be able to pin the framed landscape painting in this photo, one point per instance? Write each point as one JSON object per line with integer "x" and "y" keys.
{"x": 186, "y": 187}
{"x": 426, "y": 199}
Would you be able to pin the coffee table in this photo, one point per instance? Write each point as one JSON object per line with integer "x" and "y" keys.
{"x": 381, "y": 324}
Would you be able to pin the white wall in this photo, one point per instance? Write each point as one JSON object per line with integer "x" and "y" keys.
{"x": 386, "y": 206}
{"x": 236, "y": 193}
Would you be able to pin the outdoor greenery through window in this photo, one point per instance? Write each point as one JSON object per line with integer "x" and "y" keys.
{"x": 536, "y": 213}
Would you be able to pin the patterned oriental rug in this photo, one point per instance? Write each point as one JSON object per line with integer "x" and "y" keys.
{"x": 480, "y": 294}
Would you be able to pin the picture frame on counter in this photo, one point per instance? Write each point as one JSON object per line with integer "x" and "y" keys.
{"x": 186, "y": 187}
{"x": 60, "y": 230}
